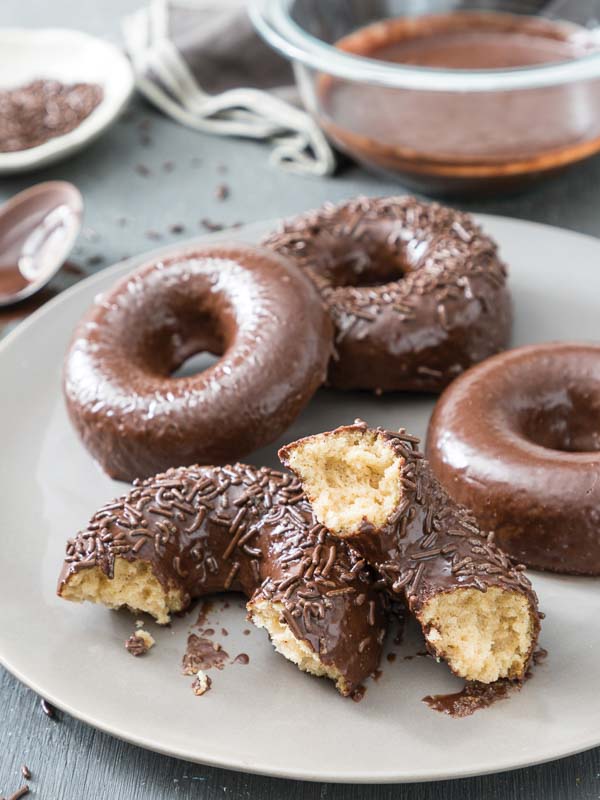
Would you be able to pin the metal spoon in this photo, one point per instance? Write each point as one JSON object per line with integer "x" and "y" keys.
{"x": 38, "y": 228}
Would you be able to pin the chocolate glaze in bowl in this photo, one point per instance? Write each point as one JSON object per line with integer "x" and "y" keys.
{"x": 452, "y": 141}
{"x": 453, "y": 96}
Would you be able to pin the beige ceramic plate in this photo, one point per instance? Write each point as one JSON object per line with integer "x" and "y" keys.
{"x": 267, "y": 717}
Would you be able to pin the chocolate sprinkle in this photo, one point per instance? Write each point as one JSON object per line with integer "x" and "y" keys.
{"x": 222, "y": 192}
{"x": 48, "y": 709}
{"x": 143, "y": 170}
{"x": 472, "y": 698}
{"x": 211, "y": 226}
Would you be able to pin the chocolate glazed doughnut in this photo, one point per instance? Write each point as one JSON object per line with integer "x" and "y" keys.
{"x": 199, "y": 530}
{"x": 372, "y": 487}
{"x": 416, "y": 291}
{"x": 517, "y": 439}
{"x": 248, "y": 305}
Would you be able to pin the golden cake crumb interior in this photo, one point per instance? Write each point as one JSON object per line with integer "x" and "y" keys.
{"x": 134, "y": 585}
{"x": 269, "y": 615}
{"x": 484, "y": 636}
{"x": 349, "y": 476}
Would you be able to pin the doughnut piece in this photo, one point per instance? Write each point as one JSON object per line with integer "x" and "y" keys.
{"x": 373, "y": 488}
{"x": 245, "y": 304}
{"x": 416, "y": 291}
{"x": 517, "y": 440}
{"x": 199, "y": 530}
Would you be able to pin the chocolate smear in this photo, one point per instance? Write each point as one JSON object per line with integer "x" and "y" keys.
{"x": 471, "y": 698}
{"x": 203, "y": 654}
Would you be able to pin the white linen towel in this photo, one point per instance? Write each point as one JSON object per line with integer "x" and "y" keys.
{"x": 201, "y": 62}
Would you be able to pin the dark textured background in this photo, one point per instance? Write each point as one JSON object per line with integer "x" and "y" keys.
{"x": 127, "y": 213}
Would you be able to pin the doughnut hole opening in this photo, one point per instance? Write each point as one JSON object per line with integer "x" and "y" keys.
{"x": 350, "y": 477}
{"x": 185, "y": 339}
{"x": 196, "y": 345}
{"x": 134, "y": 586}
{"x": 567, "y": 420}
{"x": 195, "y": 364}
{"x": 375, "y": 260}
{"x": 484, "y": 636}
{"x": 269, "y": 615}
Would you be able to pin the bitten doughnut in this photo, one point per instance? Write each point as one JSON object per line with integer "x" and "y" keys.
{"x": 373, "y": 488}
{"x": 416, "y": 291}
{"x": 517, "y": 439}
{"x": 248, "y": 305}
{"x": 199, "y": 530}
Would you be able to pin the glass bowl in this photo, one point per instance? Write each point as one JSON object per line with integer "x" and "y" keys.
{"x": 446, "y": 130}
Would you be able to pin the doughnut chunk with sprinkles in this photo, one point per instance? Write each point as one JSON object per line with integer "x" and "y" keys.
{"x": 194, "y": 531}
{"x": 416, "y": 291}
{"x": 373, "y": 488}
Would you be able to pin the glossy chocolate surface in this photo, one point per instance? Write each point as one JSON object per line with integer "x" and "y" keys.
{"x": 517, "y": 439}
{"x": 417, "y": 292}
{"x": 248, "y": 305}
{"x": 453, "y": 140}
{"x": 430, "y": 544}
{"x": 209, "y": 529}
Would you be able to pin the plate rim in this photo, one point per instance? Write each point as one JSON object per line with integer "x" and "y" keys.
{"x": 360, "y": 777}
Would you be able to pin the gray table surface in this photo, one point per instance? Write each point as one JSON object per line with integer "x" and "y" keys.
{"x": 127, "y": 213}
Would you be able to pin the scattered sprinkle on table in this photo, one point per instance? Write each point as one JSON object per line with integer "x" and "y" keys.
{"x": 48, "y": 709}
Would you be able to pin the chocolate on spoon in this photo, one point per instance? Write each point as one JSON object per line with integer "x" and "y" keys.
{"x": 38, "y": 228}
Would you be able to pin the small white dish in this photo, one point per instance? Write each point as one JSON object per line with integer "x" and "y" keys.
{"x": 68, "y": 56}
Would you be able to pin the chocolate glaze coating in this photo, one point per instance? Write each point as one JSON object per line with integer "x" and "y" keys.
{"x": 416, "y": 291}
{"x": 247, "y": 304}
{"x": 431, "y": 545}
{"x": 210, "y": 529}
{"x": 517, "y": 439}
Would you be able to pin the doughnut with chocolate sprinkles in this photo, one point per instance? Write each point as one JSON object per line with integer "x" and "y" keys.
{"x": 373, "y": 488}
{"x": 249, "y": 306}
{"x": 194, "y": 531}
{"x": 416, "y": 291}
